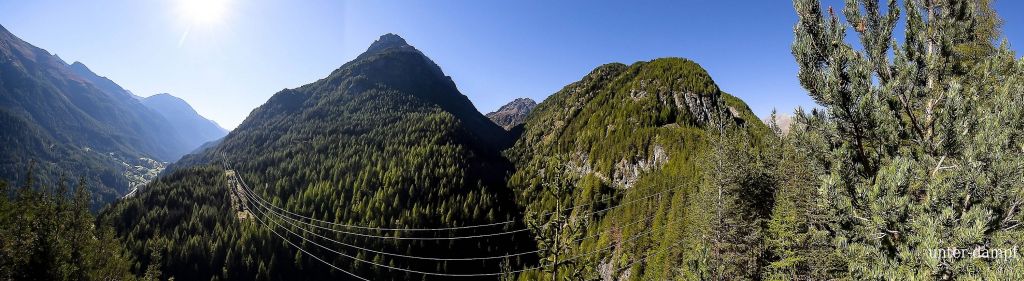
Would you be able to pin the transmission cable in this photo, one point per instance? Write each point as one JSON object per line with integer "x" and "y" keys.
{"x": 307, "y": 252}
{"x": 246, "y": 186}
{"x": 442, "y": 238}
{"x": 632, "y": 238}
{"x": 291, "y": 221}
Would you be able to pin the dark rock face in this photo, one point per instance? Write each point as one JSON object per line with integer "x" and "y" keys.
{"x": 388, "y": 43}
{"x": 513, "y": 113}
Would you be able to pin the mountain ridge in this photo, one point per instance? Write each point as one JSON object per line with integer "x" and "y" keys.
{"x": 101, "y": 82}
{"x": 193, "y": 127}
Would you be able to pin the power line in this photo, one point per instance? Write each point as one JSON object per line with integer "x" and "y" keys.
{"x": 250, "y": 195}
{"x": 291, "y": 223}
{"x": 438, "y": 238}
{"x": 308, "y": 253}
{"x": 632, "y": 238}
{"x": 403, "y": 238}
{"x": 246, "y": 186}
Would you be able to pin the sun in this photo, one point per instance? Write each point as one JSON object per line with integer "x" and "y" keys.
{"x": 203, "y": 12}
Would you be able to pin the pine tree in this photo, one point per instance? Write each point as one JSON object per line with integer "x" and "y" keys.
{"x": 736, "y": 199}
{"x": 796, "y": 248}
{"x": 917, "y": 140}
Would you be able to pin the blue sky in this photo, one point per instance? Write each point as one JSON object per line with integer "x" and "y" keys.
{"x": 495, "y": 52}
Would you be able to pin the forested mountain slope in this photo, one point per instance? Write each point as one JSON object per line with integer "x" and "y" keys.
{"x": 385, "y": 141}
{"x": 908, "y": 168}
{"x": 191, "y": 128}
{"x": 69, "y": 125}
{"x": 632, "y": 140}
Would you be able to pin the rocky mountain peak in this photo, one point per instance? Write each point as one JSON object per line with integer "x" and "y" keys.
{"x": 519, "y": 104}
{"x": 387, "y": 41}
{"x": 80, "y": 67}
{"x": 513, "y": 113}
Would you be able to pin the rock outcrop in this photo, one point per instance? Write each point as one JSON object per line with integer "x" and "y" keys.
{"x": 513, "y": 113}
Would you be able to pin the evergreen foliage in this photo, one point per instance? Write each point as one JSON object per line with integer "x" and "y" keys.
{"x": 916, "y": 148}
{"x": 637, "y": 172}
{"x": 636, "y": 139}
{"x": 48, "y": 233}
{"x": 181, "y": 227}
{"x": 384, "y": 141}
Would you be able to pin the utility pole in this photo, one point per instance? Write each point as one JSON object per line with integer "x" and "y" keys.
{"x": 719, "y": 218}
{"x": 548, "y": 227}
{"x": 558, "y": 189}
{"x": 558, "y": 230}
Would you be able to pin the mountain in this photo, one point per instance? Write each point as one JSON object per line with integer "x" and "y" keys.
{"x": 513, "y": 113}
{"x": 207, "y": 145}
{"x": 194, "y": 128}
{"x": 632, "y": 138}
{"x": 782, "y": 120}
{"x": 103, "y": 83}
{"x": 610, "y": 121}
{"x": 387, "y": 141}
{"x": 71, "y": 122}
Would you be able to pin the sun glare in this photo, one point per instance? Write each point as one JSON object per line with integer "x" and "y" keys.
{"x": 204, "y": 12}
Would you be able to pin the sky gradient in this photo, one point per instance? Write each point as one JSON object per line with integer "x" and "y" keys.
{"x": 495, "y": 52}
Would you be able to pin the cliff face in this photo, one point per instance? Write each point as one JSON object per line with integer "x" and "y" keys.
{"x": 513, "y": 113}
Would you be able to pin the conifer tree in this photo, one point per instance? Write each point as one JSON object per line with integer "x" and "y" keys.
{"x": 47, "y": 235}
{"x": 796, "y": 249}
{"x": 737, "y": 198}
{"x": 919, "y": 141}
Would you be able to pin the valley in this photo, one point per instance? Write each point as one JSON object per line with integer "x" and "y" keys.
{"x": 385, "y": 168}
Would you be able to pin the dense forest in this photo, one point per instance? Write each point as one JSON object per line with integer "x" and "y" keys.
{"x": 49, "y": 233}
{"x": 913, "y": 157}
{"x": 909, "y": 168}
{"x": 386, "y": 141}
{"x": 632, "y": 137}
